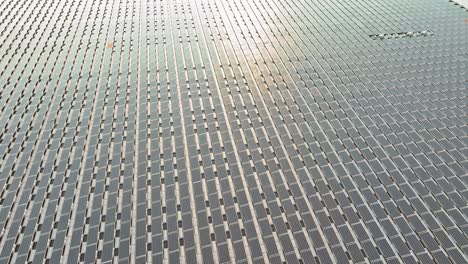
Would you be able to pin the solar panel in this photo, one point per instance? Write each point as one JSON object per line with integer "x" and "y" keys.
{"x": 233, "y": 131}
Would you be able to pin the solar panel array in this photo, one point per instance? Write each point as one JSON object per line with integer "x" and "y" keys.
{"x": 233, "y": 131}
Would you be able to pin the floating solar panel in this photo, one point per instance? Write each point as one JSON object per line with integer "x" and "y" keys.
{"x": 233, "y": 131}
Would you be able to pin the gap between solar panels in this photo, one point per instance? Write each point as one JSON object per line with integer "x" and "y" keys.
{"x": 461, "y": 3}
{"x": 396, "y": 35}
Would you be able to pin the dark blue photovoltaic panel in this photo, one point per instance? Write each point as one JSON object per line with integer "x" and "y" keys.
{"x": 203, "y": 131}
